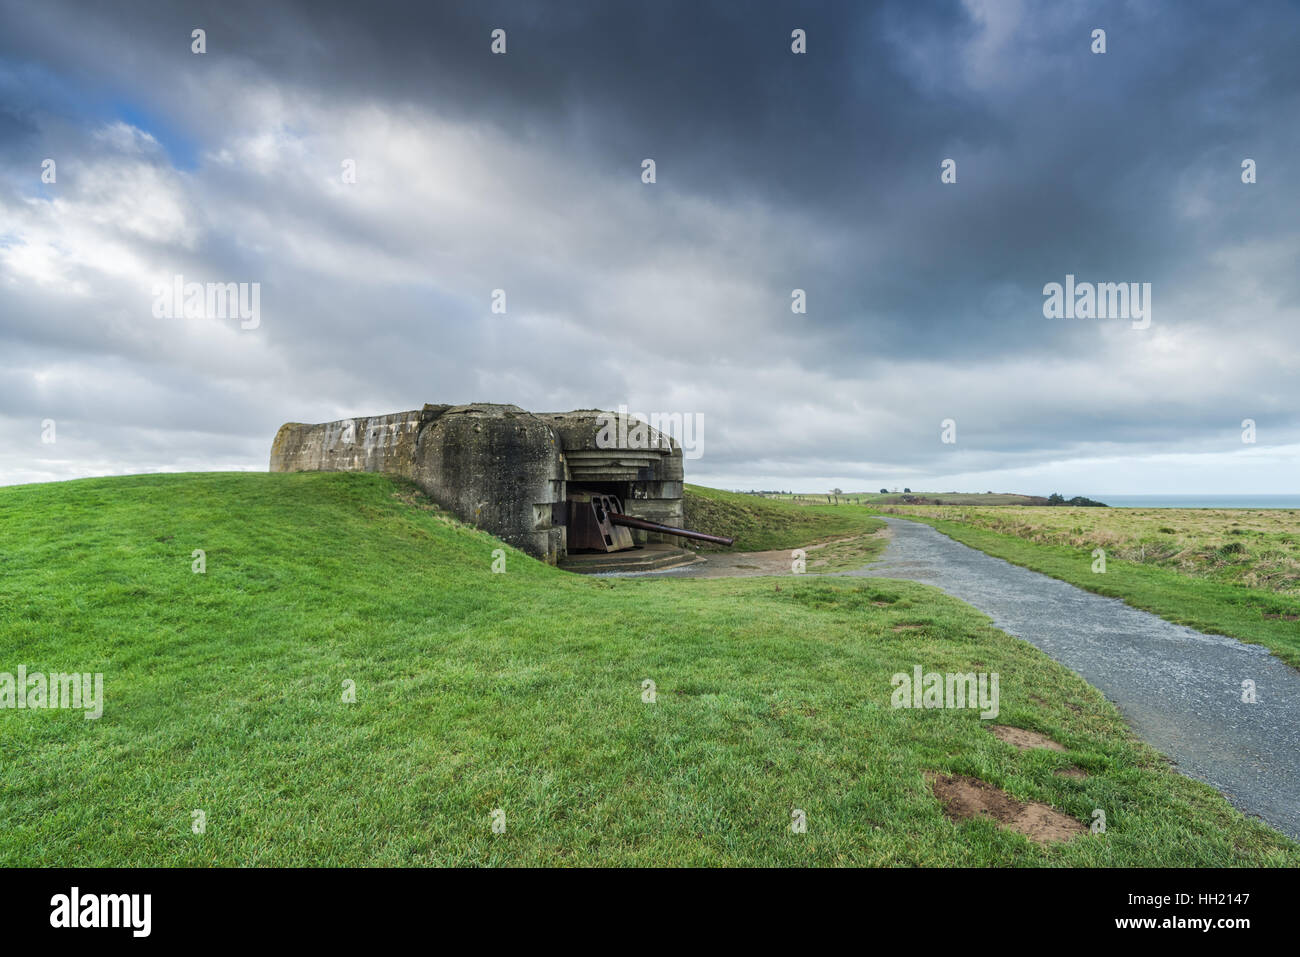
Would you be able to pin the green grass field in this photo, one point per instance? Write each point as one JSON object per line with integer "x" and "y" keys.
{"x": 1226, "y": 571}
{"x": 839, "y": 539}
{"x": 520, "y": 691}
{"x": 759, "y": 524}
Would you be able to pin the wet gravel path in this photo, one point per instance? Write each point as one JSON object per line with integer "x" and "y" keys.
{"x": 1179, "y": 689}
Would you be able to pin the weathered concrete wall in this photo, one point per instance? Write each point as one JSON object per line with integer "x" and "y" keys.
{"x": 499, "y": 468}
{"x": 495, "y": 466}
{"x": 378, "y": 443}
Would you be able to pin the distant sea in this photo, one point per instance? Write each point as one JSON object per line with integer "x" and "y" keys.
{"x": 1200, "y": 501}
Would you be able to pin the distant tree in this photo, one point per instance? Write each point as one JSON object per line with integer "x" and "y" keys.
{"x": 884, "y": 491}
{"x": 907, "y": 490}
{"x": 1086, "y": 502}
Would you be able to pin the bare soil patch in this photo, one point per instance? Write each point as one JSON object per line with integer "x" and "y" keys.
{"x": 964, "y": 798}
{"x": 1023, "y": 739}
{"x": 837, "y": 554}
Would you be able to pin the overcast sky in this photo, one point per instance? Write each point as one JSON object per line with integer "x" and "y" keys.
{"x": 774, "y": 171}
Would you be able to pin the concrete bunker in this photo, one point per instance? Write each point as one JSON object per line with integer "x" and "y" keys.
{"x": 587, "y": 489}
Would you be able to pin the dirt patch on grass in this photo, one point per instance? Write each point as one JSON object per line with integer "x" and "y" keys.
{"x": 908, "y": 627}
{"x": 964, "y": 798}
{"x": 744, "y": 564}
{"x": 838, "y": 554}
{"x": 1077, "y": 774}
{"x": 1023, "y": 739}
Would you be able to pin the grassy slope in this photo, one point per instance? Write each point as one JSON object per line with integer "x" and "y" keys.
{"x": 1207, "y": 601}
{"x": 520, "y": 691}
{"x": 760, "y": 524}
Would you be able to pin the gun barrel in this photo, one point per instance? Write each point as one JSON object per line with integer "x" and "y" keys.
{"x": 617, "y": 519}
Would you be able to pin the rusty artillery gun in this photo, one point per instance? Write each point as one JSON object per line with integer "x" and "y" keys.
{"x": 597, "y": 523}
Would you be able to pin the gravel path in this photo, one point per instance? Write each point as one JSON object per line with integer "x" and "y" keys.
{"x": 1179, "y": 689}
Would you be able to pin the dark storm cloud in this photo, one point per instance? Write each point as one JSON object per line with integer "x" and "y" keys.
{"x": 775, "y": 171}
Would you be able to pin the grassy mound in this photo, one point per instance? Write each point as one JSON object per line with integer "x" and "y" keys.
{"x": 759, "y": 524}
{"x": 520, "y": 691}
